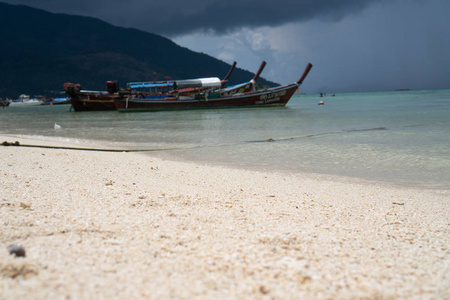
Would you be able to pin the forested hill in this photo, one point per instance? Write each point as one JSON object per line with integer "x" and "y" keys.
{"x": 40, "y": 51}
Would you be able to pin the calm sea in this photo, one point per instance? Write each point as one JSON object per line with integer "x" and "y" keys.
{"x": 401, "y": 137}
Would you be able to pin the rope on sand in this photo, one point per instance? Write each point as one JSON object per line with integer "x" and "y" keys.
{"x": 17, "y": 144}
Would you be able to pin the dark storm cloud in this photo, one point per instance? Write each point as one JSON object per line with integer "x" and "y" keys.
{"x": 177, "y": 17}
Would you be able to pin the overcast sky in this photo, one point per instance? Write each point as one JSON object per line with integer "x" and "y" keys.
{"x": 354, "y": 45}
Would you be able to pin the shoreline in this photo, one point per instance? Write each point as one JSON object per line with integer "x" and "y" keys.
{"x": 166, "y": 154}
{"x": 318, "y": 176}
{"x": 121, "y": 225}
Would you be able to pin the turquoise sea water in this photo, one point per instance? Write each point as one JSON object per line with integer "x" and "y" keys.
{"x": 401, "y": 137}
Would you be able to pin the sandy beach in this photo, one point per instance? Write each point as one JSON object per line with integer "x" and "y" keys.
{"x": 105, "y": 225}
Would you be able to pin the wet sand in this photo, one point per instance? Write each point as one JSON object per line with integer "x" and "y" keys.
{"x": 101, "y": 225}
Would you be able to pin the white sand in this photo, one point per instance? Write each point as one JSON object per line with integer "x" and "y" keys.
{"x": 99, "y": 225}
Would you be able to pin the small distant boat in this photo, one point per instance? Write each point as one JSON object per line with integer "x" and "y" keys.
{"x": 26, "y": 100}
{"x": 216, "y": 98}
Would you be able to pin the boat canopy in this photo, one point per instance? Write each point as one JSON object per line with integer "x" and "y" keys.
{"x": 237, "y": 86}
{"x": 200, "y": 82}
{"x": 178, "y": 84}
{"x": 150, "y": 84}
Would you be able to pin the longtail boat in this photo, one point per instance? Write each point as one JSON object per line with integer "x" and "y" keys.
{"x": 88, "y": 100}
{"x": 242, "y": 95}
{"x": 188, "y": 89}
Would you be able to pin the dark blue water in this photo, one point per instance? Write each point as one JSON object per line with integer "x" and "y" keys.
{"x": 399, "y": 137}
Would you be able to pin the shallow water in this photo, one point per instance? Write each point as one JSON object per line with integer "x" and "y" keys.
{"x": 400, "y": 137}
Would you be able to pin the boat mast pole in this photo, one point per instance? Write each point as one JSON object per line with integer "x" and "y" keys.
{"x": 224, "y": 81}
{"x": 231, "y": 71}
{"x": 261, "y": 68}
{"x": 305, "y": 73}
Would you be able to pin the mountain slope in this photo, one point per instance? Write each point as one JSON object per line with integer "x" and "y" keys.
{"x": 41, "y": 50}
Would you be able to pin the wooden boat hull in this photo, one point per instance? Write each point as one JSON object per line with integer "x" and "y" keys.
{"x": 278, "y": 96}
{"x": 92, "y": 102}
